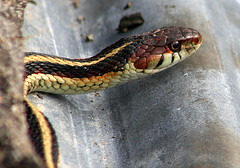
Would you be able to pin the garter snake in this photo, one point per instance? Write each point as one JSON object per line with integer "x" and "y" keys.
{"x": 129, "y": 58}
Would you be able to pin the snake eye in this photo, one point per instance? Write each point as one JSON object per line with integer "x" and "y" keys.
{"x": 175, "y": 46}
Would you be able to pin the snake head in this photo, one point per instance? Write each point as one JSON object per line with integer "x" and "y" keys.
{"x": 162, "y": 48}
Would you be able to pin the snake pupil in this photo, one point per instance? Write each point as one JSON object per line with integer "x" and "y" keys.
{"x": 175, "y": 46}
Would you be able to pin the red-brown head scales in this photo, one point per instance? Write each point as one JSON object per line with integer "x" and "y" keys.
{"x": 164, "y": 47}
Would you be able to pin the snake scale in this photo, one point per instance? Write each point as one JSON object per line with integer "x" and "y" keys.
{"x": 129, "y": 58}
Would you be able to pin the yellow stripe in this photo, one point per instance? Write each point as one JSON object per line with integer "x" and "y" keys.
{"x": 46, "y": 135}
{"x": 41, "y": 58}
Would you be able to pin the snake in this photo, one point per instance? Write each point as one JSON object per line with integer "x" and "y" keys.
{"x": 129, "y": 58}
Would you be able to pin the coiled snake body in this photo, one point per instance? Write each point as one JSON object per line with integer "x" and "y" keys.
{"x": 129, "y": 58}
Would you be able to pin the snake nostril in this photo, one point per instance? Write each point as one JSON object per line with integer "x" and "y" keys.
{"x": 196, "y": 40}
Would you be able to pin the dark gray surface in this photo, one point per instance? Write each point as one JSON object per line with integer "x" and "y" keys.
{"x": 186, "y": 116}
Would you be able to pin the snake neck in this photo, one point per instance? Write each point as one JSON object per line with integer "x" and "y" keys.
{"x": 72, "y": 85}
{"x": 52, "y": 74}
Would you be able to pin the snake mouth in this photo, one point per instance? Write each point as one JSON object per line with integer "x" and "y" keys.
{"x": 190, "y": 46}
